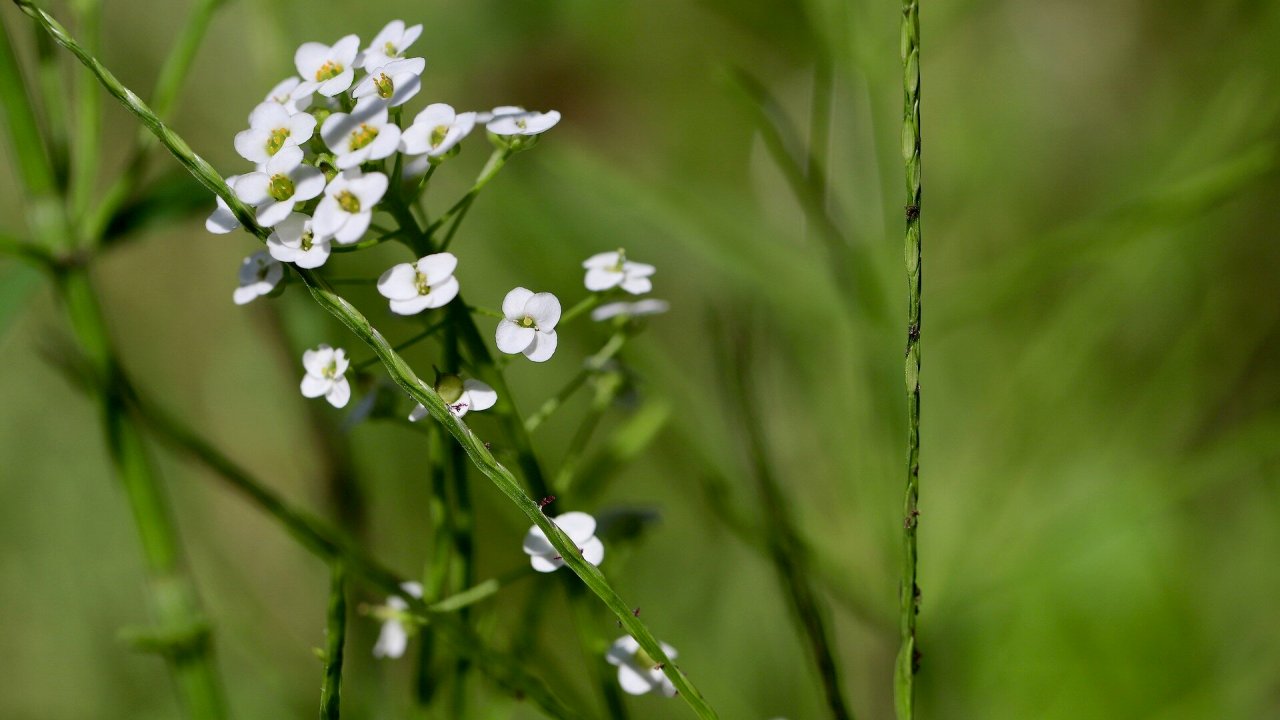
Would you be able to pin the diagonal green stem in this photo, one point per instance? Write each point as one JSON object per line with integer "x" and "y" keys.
{"x": 909, "y": 591}
{"x": 590, "y": 366}
{"x": 335, "y": 637}
{"x": 396, "y": 366}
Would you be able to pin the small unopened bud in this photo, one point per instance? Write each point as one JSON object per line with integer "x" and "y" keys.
{"x": 449, "y": 387}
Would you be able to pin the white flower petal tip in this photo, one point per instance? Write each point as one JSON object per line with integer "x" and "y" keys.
{"x": 259, "y": 275}
{"x": 389, "y": 44}
{"x": 327, "y": 69}
{"x": 347, "y": 208}
{"x": 364, "y": 134}
{"x": 423, "y": 285}
{"x": 325, "y": 377}
{"x": 609, "y": 270}
{"x": 393, "y": 639}
{"x": 638, "y": 673}
{"x": 529, "y": 324}
{"x": 436, "y": 131}
{"x": 638, "y": 309}
{"x": 518, "y": 121}
{"x": 294, "y": 240}
{"x": 579, "y": 526}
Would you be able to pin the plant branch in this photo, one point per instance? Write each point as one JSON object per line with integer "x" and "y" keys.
{"x": 335, "y": 636}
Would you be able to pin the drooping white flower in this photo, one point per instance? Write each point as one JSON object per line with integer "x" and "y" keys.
{"x": 612, "y": 269}
{"x": 326, "y": 375}
{"x": 512, "y": 120}
{"x": 259, "y": 275}
{"x": 222, "y": 221}
{"x": 436, "y": 130}
{"x": 291, "y": 95}
{"x": 347, "y": 207}
{"x": 389, "y": 44}
{"x": 282, "y": 183}
{"x": 364, "y": 134}
{"x": 462, "y": 396}
{"x": 271, "y": 129}
{"x": 529, "y": 324}
{"x": 422, "y": 285}
{"x": 638, "y": 673}
{"x": 294, "y": 240}
{"x": 640, "y": 308}
{"x": 581, "y": 529}
{"x": 393, "y": 83}
{"x": 394, "y": 637}
{"x": 327, "y": 69}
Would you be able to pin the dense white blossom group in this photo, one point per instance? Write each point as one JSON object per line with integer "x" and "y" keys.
{"x": 328, "y": 149}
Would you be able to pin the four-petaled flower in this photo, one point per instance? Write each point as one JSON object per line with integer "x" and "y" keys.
{"x": 581, "y": 529}
{"x": 622, "y": 308}
{"x": 511, "y": 120}
{"x": 271, "y": 129}
{"x": 347, "y": 207}
{"x": 394, "y": 637}
{"x": 364, "y": 134}
{"x": 422, "y": 285}
{"x": 462, "y": 396}
{"x": 327, "y": 69}
{"x": 259, "y": 275}
{"x": 436, "y": 130}
{"x": 638, "y": 673}
{"x": 389, "y": 44}
{"x": 326, "y": 375}
{"x": 295, "y": 241}
{"x": 394, "y": 83}
{"x": 290, "y": 94}
{"x": 612, "y": 269}
{"x": 529, "y": 324}
{"x": 283, "y": 183}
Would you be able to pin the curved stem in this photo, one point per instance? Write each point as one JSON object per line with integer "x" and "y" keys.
{"x": 335, "y": 635}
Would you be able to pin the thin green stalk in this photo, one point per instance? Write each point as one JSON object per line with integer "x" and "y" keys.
{"x": 590, "y": 366}
{"x": 606, "y": 391}
{"x": 460, "y": 208}
{"x": 594, "y": 645}
{"x": 436, "y": 574}
{"x": 820, "y": 128}
{"x": 586, "y": 304}
{"x": 413, "y": 340}
{"x": 54, "y": 100}
{"x": 397, "y": 368}
{"x": 462, "y": 523}
{"x": 909, "y": 591}
{"x": 86, "y": 153}
{"x": 335, "y": 637}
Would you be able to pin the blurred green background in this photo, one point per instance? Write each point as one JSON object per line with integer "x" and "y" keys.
{"x": 1101, "y": 425}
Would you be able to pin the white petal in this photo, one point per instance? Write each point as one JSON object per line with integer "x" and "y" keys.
{"x": 416, "y": 139}
{"x": 404, "y": 87}
{"x": 542, "y": 122}
{"x": 309, "y": 57}
{"x": 413, "y": 588}
{"x": 384, "y": 145}
{"x": 544, "y": 308}
{"x": 308, "y": 182}
{"x": 441, "y": 294}
{"x": 245, "y": 295}
{"x": 336, "y": 131}
{"x": 329, "y": 218}
{"x": 635, "y": 269}
{"x": 418, "y": 413}
{"x": 280, "y": 251}
{"x": 337, "y": 85}
{"x": 398, "y": 282}
{"x": 622, "y": 650}
{"x": 633, "y": 680}
{"x": 511, "y": 338}
{"x": 601, "y": 260}
{"x": 252, "y": 144}
{"x": 340, "y": 393}
{"x": 593, "y": 551}
{"x": 313, "y": 386}
{"x": 437, "y": 266}
{"x": 268, "y": 116}
{"x": 392, "y": 640}
{"x": 536, "y": 543}
{"x": 344, "y": 51}
{"x": 301, "y": 127}
{"x": 513, "y": 304}
{"x": 221, "y": 221}
{"x": 315, "y": 257}
{"x": 650, "y": 306}
{"x": 435, "y": 114}
{"x": 543, "y": 347}
{"x": 354, "y": 227}
{"x": 599, "y": 279}
{"x": 613, "y": 309}
{"x": 579, "y": 526}
{"x": 481, "y": 396}
{"x": 284, "y": 161}
{"x": 317, "y": 359}
{"x": 410, "y": 35}
{"x": 252, "y": 188}
{"x": 412, "y": 306}
{"x": 545, "y": 563}
{"x": 637, "y": 285}
{"x": 369, "y": 189}
{"x": 271, "y": 213}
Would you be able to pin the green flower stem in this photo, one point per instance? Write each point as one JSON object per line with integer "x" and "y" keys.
{"x": 590, "y": 366}
{"x": 335, "y": 636}
{"x": 460, "y": 208}
{"x": 396, "y": 366}
{"x": 462, "y": 523}
{"x": 436, "y": 573}
{"x": 86, "y": 152}
{"x": 909, "y": 591}
{"x": 586, "y": 304}
{"x": 487, "y": 312}
{"x": 607, "y": 388}
{"x": 594, "y": 645}
{"x": 28, "y": 252}
{"x": 413, "y": 340}
{"x": 54, "y": 100}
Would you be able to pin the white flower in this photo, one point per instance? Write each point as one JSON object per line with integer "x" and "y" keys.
{"x": 510, "y": 120}
{"x": 389, "y": 44}
{"x": 640, "y": 308}
{"x": 394, "y": 638}
{"x": 326, "y": 375}
{"x": 291, "y": 95}
{"x": 529, "y": 324}
{"x": 222, "y": 221}
{"x": 638, "y": 673}
{"x": 393, "y": 83}
{"x": 612, "y": 269}
{"x": 471, "y": 395}
{"x": 282, "y": 183}
{"x": 259, "y": 275}
{"x": 581, "y": 529}
{"x": 327, "y": 69}
{"x": 295, "y": 241}
{"x": 364, "y": 135}
{"x": 414, "y": 287}
{"x": 347, "y": 207}
{"x": 271, "y": 129}
{"x": 436, "y": 130}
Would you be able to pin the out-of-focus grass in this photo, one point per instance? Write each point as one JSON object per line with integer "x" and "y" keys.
{"x": 1100, "y": 387}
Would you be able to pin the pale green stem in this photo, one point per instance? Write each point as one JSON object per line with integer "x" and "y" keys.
{"x": 586, "y": 304}
{"x": 86, "y": 153}
{"x": 54, "y": 100}
{"x": 590, "y": 366}
{"x": 335, "y": 637}
{"x": 909, "y": 590}
{"x": 460, "y": 208}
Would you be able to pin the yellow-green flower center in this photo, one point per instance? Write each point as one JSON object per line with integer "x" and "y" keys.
{"x": 390, "y": 50}
{"x": 276, "y": 140}
{"x": 622, "y": 260}
{"x": 520, "y": 123}
{"x": 385, "y": 87}
{"x": 526, "y": 321}
{"x": 644, "y": 660}
{"x": 420, "y": 282}
{"x": 331, "y": 370}
{"x": 307, "y": 240}
{"x": 281, "y": 187}
{"x": 438, "y": 134}
{"x": 363, "y": 135}
{"x": 328, "y": 71}
{"x": 348, "y": 201}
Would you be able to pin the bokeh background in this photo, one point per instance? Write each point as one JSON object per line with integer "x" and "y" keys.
{"x": 1101, "y": 427}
